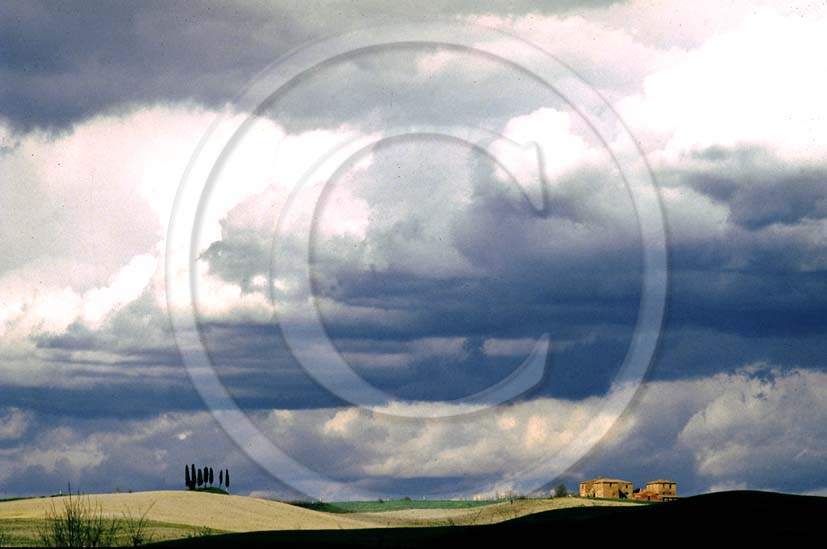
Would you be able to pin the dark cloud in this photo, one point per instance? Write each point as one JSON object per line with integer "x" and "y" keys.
{"x": 747, "y": 294}
{"x": 760, "y": 190}
{"x": 61, "y": 63}
{"x": 739, "y": 429}
{"x": 759, "y": 271}
{"x": 574, "y": 274}
{"x": 452, "y": 264}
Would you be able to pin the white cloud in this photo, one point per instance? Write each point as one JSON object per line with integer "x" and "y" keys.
{"x": 77, "y": 456}
{"x": 13, "y": 423}
{"x": 684, "y": 25}
{"x": 753, "y": 428}
{"x": 561, "y": 148}
{"x": 727, "y": 486}
{"x": 678, "y": 429}
{"x": 761, "y": 83}
{"x": 584, "y": 42}
{"x": 85, "y": 215}
{"x": 28, "y": 310}
{"x": 759, "y": 424}
{"x": 83, "y": 206}
{"x": 125, "y": 287}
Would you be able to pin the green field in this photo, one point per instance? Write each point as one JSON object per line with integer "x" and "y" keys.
{"x": 377, "y": 506}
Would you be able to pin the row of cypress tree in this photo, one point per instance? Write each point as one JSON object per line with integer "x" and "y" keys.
{"x": 196, "y": 478}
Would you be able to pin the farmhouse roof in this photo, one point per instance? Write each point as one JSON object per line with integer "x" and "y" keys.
{"x": 605, "y": 479}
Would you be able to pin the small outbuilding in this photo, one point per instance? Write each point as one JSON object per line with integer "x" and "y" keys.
{"x": 658, "y": 490}
{"x": 663, "y": 488}
{"x": 644, "y": 495}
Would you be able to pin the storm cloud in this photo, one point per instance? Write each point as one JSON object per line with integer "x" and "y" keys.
{"x": 431, "y": 271}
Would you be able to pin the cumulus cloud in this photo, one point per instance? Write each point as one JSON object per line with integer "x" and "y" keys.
{"x": 759, "y": 427}
{"x": 431, "y": 272}
{"x": 142, "y": 159}
{"x": 781, "y": 413}
{"x": 13, "y": 424}
{"x": 736, "y": 89}
{"x": 104, "y": 455}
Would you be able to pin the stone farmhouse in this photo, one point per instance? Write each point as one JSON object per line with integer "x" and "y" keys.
{"x": 606, "y": 488}
{"x": 601, "y": 487}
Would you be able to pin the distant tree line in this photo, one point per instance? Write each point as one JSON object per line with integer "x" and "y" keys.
{"x": 203, "y": 478}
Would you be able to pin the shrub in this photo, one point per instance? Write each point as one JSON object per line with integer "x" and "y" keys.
{"x": 202, "y": 532}
{"x": 137, "y": 531}
{"x": 79, "y": 524}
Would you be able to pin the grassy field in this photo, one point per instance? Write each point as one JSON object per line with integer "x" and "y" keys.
{"x": 186, "y": 514}
{"x": 25, "y": 532}
{"x": 172, "y": 514}
{"x": 735, "y": 517}
{"x": 380, "y": 506}
{"x": 209, "y": 518}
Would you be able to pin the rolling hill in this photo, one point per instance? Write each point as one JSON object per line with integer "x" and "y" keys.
{"x": 737, "y": 517}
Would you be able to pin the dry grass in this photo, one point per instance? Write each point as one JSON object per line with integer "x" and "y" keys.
{"x": 77, "y": 523}
{"x": 195, "y": 509}
{"x": 175, "y": 514}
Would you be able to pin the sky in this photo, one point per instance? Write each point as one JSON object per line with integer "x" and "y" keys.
{"x": 319, "y": 289}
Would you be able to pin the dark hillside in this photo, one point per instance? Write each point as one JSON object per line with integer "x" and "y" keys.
{"x": 726, "y": 516}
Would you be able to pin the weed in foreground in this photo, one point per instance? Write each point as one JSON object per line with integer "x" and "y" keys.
{"x": 204, "y": 531}
{"x": 137, "y": 528}
{"x": 78, "y": 524}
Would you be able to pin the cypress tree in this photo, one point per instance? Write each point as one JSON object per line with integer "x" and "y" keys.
{"x": 227, "y": 478}
{"x": 206, "y": 475}
{"x": 200, "y": 478}
{"x": 192, "y": 475}
{"x": 187, "y": 477}
{"x": 211, "y": 477}
{"x": 220, "y": 477}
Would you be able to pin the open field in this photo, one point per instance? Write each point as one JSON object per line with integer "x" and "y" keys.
{"x": 185, "y": 517}
{"x": 24, "y": 532}
{"x": 179, "y": 514}
{"x": 195, "y": 509}
{"x": 487, "y": 514}
{"x": 735, "y": 517}
{"x": 175, "y": 514}
{"x": 377, "y": 506}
